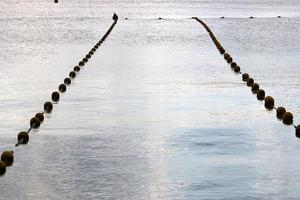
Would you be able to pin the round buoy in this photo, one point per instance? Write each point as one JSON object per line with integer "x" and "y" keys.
{"x": 233, "y": 64}
{"x": 93, "y": 49}
{"x": 287, "y": 118}
{"x": 35, "y": 122}
{"x": 245, "y": 77}
{"x": 250, "y": 82}
{"x": 48, "y": 107}
{"x": 269, "y": 103}
{"x": 226, "y": 56}
{"x": 81, "y": 63}
{"x": 62, "y": 87}
{"x": 255, "y": 88}
{"x": 2, "y": 168}
{"x": 24, "y": 136}
{"x": 40, "y": 116}
{"x": 222, "y": 50}
{"x": 72, "y": 74}
{"x": 8, "y": 158}
{"x": 67, "y": 81}
{"x": 298, "y": 131}
{"x": 55, "y": 96}
{"x": 88, "y": 56}
{"x": 222, "y": 17}
{"x": 251, "y": 17}
{"x": 260, "y": 95}
{"x": 76, "y": 69}
{"x": 237, "y": 69}
{"x": 91, "y": 53}
{"x": 279, "y": 16}
{"x": 229, "y": 60}
{"x": 85, "y": 60}
{"x": 126, "y": 18}
{"x": 279, "y": 112}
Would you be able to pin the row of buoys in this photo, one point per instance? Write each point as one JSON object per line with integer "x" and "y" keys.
{"x": 269, "y": 102}
{"x": 7, "y": 157}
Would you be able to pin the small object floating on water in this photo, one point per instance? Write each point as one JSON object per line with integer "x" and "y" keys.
{"x": 278, "y": 16}
{"x": 7, "y": 158}
{"x": 126, "y": 18}
{"x": 255, "y": 88}
{"x": 245, "y": 76}
{"x": 279, "y": 112}
{"x": 269, "y": 103}
{"x": 159, "y": 18}
{"x": 55, "y": 1}
{"x": 229, "y": 60}
{"x": 62, "y": 87}
{"x": 233, "y": 64}
{"x": 88, "y": 56}
{"x": 287, "y": 118}
{"x": 23, "y": 138}
{"x": 48, "y": 107}
{"x": 76, "y": 69}
{"x": 250, "y": 82}
{"x": 35, "y": 122}
{"x": 260, "y": 95}
{"x": 237, "y": 69}
{"x": 40, "y": 116}
{"x": 251, "y": 17}
{"x": 67, "y": 81}
{"x": 72, "y": 74}
{"x": 222, "y": 17}
{"x": 55, "y": 96}
{"x": 298, "y": 131}
{"x": 2, "y": 168}
{"x": 85, "y": 60}
{"x": 81, "y": 63}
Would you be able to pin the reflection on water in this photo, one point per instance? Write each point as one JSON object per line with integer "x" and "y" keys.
{"x": 156, "y": 114}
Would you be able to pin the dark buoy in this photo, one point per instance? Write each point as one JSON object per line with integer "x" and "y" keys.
{"x": 55, "y": 1}
{"x": 115, "y": 17}
{"x": 260, "y": 95}
{"x": 278, "y": 16}
{"x": 255, "y": 88}
{"x": 279, "y": 112}
{"x": 222, "y": 51}
{"x": 250, "y": 82}
{"x": 269, "y": 103}
{"x": 67, "y": 81}
{"x": 91, "y": 53}
{"x": 76, "y": 69}
{"x": 229, "y": 60}
{"x": 126, "y": 18}
{"x": 48, "y": 107}
{"x": 2, "y": 168}
{"x": 85, "y": 60}
{"x": 35, "y": 122}
{"x": 72, "y": 74}
{"x": 23, "y": 137}
{"x": 222, "y": 17}
{"x": 251, "y": 17}
{"x": 40, "y": 116}
{"x": 226, "y": 56}
{"x": 287, "y": 118}
{"x": 159, "y": 18}
{"x": 55, "y": 96}
{"x": 245, "y": 77}
{"x": 88, "y": 56}
{"x": 298, "y": 131}
{"x": 233, "y": 64}
{"x": 81, "y": 63}
{"x": 62, "y": 87}
{"x": 237, "y": 69}
{"x": 8, "y": 158}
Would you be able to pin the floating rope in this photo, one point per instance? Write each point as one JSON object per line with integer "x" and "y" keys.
{"x": 281, "y": 113}
{"x": 7, "y": 157}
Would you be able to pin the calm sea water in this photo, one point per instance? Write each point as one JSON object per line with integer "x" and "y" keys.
{"x": 156, "y": 113}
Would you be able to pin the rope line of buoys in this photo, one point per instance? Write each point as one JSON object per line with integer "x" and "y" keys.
{"x": 7, "y": 157}
{"x": 269, "y": 102}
